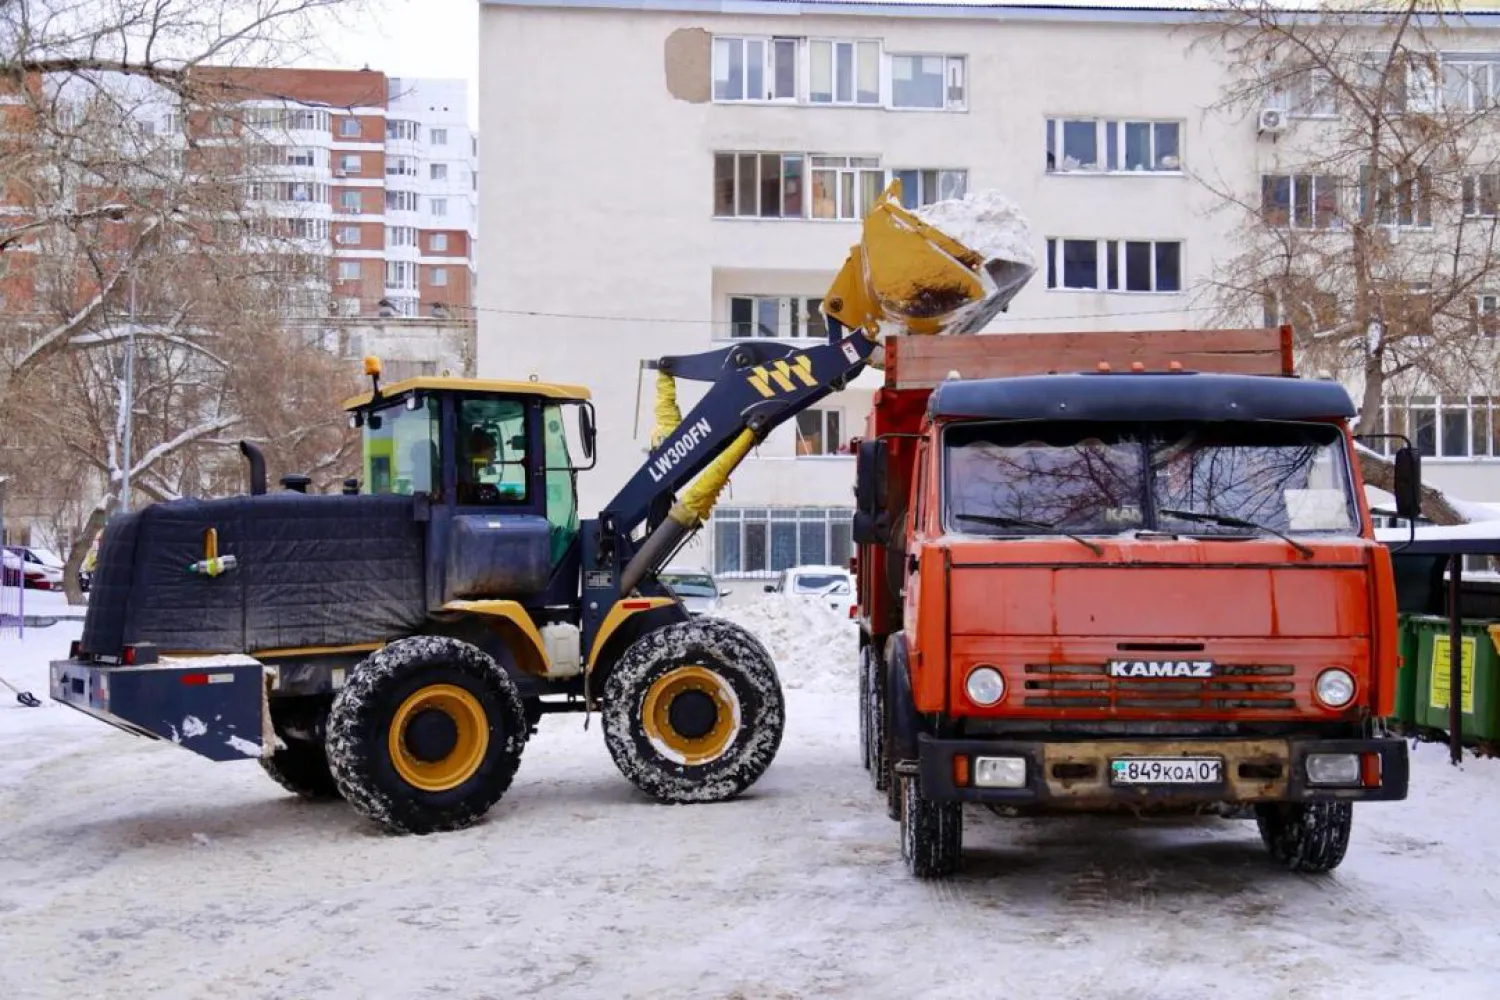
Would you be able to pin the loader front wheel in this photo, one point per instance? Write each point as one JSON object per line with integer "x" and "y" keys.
{"x": 693, "y": 711}
{"x": 426, "y": 735}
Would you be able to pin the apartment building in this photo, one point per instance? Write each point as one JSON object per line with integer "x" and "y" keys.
{"x": 380, "y": 174}
{"x": 671, "y": 179}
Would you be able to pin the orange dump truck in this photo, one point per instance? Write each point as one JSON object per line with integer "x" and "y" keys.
{"x": 1121, "y": 570}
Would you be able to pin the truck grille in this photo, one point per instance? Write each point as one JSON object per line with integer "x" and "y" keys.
{"x": 1088, "y": 685}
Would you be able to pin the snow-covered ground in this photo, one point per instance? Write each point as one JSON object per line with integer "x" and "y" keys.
{"x": 129, "y": 868}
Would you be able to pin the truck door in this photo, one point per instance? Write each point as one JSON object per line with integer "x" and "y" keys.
{"x": 915, "y": 531}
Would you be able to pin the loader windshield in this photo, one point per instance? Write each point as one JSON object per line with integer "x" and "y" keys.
{"x": 1097, "y": 478}
{"x": 401, "y": 448}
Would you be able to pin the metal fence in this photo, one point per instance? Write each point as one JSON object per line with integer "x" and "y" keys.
{"x": 12, "y": 594}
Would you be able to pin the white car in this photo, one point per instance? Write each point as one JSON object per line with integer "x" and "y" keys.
{"x": 831, "y": 585}
{"x": 697, "y": 589}
{"x": 43, "y": 568}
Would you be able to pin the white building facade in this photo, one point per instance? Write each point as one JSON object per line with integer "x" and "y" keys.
{"x": 666, "y": 180}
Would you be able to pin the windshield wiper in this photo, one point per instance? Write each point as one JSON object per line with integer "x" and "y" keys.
{"x": 1021, "y": 522}
{"x": 1235, "y": 522}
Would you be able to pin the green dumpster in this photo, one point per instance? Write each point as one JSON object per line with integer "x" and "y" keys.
{"x": 1480, "y": 670}
{"x": 1406, "y": 674}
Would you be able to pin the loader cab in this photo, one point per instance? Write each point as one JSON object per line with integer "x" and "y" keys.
{"x": 468, "y": 450}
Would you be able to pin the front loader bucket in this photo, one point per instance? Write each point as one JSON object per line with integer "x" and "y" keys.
{"x": 213, "y": 706}
{"x": 945, "y": 269}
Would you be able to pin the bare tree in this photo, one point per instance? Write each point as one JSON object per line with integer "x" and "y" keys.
{"x": 1375, "y": 226}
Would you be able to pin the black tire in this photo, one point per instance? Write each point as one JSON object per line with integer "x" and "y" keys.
{"x": 1306, "y": 837}
{"x": 302, "y": 769}
{"x": 874, "y": 710}
{"x": 737, "y": 695}
{"x": 866, "y": 759}
{"x": 932, "y": 833}
{"x": 364, "y": 711}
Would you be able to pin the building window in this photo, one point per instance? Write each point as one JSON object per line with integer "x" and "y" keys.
{"x": 761, "y": 541}
{"x": 1487, "y": 315}
{"x": 349, "y": 163}
{"x": 932, "y": 82}
{"x": 349, "y": 127}
{"x": 1306, "y": 93}
{"x": 349, "y": 270}
{"x": 1471, "y": 84}
{"x": 1444, "y": 426}
{"x": 845, "y": 187}
{"x": 1115, "y": 265}
{"x": 818, "y": 433}
{"x": 1091, "y": 145}
{"x": 844, "y": 72}
{"x": 349, "y": 235}
{"x": 296, "y": 157}
{"x": 400, "y": 236}
{"x": 400, "y": 130}
{"x": 438, "y": 171}
{"x": 400, "y": 274}
{"x": 755, "y": 69}
{"x": 439, "y": 276}
{"x": 778, "y": 316}
{"x": 923, "y": 187}
{"x": 437, "y": 242}
{"x": 439, "y": 207}
{"x": 1411, "y": 82}
{"x": 1299, "y": 201}
{"x": 401, "y": 201}
{"x": 758, "y": 185}
{"x": 437, "y": 136}
{"x": 1401, "y": 200}
{"x": 1482, "y": 196}
{"x": 349, "y": 202}
{"x": 221, "y": 125}
{"x": 401, "y": 166}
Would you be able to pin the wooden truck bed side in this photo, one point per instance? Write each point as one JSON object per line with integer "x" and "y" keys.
{"x": 923, "y": 362}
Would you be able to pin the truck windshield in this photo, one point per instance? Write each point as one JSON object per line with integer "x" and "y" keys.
{"x": 1098, "y": 478}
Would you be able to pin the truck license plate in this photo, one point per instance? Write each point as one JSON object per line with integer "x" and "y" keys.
{"x": 1166, "y": 771}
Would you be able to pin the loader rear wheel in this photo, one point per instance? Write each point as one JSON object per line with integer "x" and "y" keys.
{"x": 1306, "y": 837}
{"x": 302, "y": 768}
{"x": 426, "y": 735}
{"x": 693, "y": 711}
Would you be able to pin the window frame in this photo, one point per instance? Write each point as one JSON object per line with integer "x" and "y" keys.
{"x": 937, "y": 179}
{"x": 855, "y": 43}
{"x": 853, "y": 166}
{"x": 1111, "y": 265}
{"x": 1335, "y": 221}
{"x": 438, "y": 277}
{"x": 836, "y": 522}
{"x": 1421, "y": 204}
{"x": 1478, "y": 410}
{"x": 828, "y": 417}
{"x": 800, "y": 312}
{"x": 738, "y": 194}
{"x": 1110, "y": 145}
{"x": 437, "y": 136}
{"x": 950, "y": 61}
{"x": 344, "y": 267}
{"x": 769, "y": 65}
{"x": 344, "y": 124}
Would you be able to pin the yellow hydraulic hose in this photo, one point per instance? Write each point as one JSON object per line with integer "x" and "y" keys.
{"x": 668, "y": 415}
{"x": 698, "y": 499}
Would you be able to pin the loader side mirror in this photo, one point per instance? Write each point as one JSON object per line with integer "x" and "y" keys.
{"x": 1407, "y": 486}
{"x": 586, "y": 431}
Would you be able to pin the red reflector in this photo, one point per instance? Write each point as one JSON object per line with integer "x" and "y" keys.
{"x": 1369, "y": 770}
{"x": 854, "y": 611}
{"x": 195, "y": 678}
{"x": 128, "y": 656}
{"x": 635, "y": 605}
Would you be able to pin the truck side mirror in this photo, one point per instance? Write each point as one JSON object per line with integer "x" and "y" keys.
{"x": 1407, "y": 486}
{"x": 586, "y": 430}
{"x": 869, "y": 477}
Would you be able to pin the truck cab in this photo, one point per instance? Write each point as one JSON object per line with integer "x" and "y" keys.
{"x": 1136, "y": 589}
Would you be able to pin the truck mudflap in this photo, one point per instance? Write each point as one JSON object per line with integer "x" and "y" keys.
{"x": 1147, "y": 773}
{"x": 214, "y": 706}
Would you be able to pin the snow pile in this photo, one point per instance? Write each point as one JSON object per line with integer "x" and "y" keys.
{"x": 986, "y": 222}
{"x": 815, "y": 649}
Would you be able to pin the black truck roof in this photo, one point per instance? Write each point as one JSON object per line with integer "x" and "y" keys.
{"x": 1141, "y": 396}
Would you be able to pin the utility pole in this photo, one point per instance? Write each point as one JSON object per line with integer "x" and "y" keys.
{"x": 129, "y": 401}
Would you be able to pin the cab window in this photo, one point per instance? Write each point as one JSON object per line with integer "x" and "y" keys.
{"x": 492, "y": 451}
{"x": 562, "y": 496}
{"x": 401, "y": 448}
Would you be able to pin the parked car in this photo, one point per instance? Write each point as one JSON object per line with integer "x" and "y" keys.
{"x": 697, "y": 588}
{"x": 10, "y": 574}
{"x": 42, "y": 567}
{"x": 832, "y": 585}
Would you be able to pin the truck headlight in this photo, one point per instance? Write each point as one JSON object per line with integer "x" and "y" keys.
{"x": 1333, "y": 768}
{"x": 1000, "y": 772}
{"x": 984, "y": 686}
{"x": 1334, "y": 687}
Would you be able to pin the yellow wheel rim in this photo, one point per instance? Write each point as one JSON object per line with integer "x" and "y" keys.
{"x": 438, "y": 737}
{"x": 676, "y": 715}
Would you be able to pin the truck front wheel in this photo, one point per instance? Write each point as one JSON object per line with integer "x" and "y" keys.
{"x": 932, "y": 833}
{"x": 1306, "y": 837}
{"x": 693, "y": 711}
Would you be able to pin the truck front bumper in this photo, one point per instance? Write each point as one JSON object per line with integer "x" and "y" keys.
{"x": 213, "y": 706}
{"x": 1081, "y": 775}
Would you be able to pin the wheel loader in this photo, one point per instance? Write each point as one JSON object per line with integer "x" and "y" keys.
{"x": 397, "y": 647}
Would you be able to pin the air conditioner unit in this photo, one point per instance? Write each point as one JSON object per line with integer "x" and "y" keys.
{"x": 1272, "y": 120}
{"x": 339, "y": 172}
